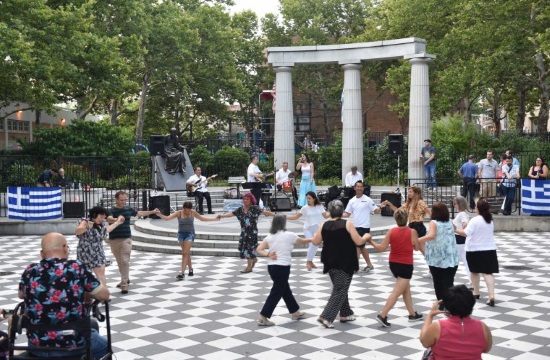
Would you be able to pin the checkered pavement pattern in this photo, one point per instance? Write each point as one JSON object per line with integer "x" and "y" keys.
{"x": 212, "y": 315}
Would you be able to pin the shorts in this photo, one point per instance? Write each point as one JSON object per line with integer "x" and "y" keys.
{"x": 404, "y": 271}
{"x": 186, "y": 236}
{"x": 362, "y": 231}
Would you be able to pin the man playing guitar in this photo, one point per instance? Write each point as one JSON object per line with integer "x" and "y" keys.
{"x": 255, "y": 175}
{"x": 197, "y": 184}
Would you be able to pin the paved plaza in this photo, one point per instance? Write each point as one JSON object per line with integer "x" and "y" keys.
{"x": 212, "y": 315}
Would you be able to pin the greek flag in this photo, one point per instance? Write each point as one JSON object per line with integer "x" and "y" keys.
{"x": 535, "y": 196}
{"x": 29, "y": 203}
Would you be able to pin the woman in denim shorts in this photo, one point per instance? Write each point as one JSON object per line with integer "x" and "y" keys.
{"x": 186, "y": 233}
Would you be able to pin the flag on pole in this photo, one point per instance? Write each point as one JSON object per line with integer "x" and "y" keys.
{"x": 535, "y": 196}
{"x": 29, "y": 203}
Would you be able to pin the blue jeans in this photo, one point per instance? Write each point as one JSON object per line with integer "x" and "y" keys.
{"x": 429, "y": 172}
{"x": 510, "y": 193}
{"x": 99, "y": 348}
{"x": 281, "y": 289}
{"x": 469, "y": 190}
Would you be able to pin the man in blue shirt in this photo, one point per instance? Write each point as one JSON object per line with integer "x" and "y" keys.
{"x": 45, "y": 177}
{"x": 468, "y": 173}
{"x": 428, "y": 161}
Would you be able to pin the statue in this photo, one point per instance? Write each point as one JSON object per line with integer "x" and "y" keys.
{"x": 173, "y": 151}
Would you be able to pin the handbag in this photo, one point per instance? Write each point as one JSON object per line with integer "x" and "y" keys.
{"x": 427, "y": 354}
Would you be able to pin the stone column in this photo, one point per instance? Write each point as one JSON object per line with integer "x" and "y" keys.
{"x": 352, "y": 124}
{"x": 284, "y": 118}
{"x": 419, "y": 113}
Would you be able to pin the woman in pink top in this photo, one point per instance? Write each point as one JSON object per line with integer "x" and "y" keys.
{"x": 458, "y": 336}
{"x": 403, "y": 241}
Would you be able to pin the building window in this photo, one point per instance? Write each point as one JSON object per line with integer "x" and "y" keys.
{"x": 17, "y": 126}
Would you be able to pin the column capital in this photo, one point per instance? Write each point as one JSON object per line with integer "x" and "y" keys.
{"x": 352, "y": 66}
{"x": 419, "y": 58}
{"x": 285, "y": 68}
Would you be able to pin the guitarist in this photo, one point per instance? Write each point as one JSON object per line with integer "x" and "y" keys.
{"x": 254, "y": 175}
{"x": 197, "y": 184}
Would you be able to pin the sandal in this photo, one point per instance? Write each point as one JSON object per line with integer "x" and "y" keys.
{"x": 246, "y": 270}
{"x": 298, "y": 315}
{"x": 309, "y": 265}
{"x": 347, "y": 318}
{"x": 264, "y": 322}
{"x": 325, "y": 322}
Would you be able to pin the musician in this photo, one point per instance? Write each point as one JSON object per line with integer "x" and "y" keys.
{"x": 255, "y": 175}
{"x": 285, "y": 175}
{"x": 352, "y": 177}
{"x": 199, "y": 183}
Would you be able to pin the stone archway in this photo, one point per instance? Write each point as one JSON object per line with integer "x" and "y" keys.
{"x": 351, "y": 57}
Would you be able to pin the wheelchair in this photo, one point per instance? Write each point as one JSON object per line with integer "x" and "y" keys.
{"x": 84, "y": 326}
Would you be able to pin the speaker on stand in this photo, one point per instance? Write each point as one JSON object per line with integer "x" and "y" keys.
{"x": 156, "y": 145}
{"x": 395, "y": 146}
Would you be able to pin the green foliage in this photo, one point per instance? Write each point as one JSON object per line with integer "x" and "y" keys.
{"x": 22, "y": 175}
{"x": 200, "y": 156}
{"x": 231, "y": 162}
{"x": 81, "y": 138}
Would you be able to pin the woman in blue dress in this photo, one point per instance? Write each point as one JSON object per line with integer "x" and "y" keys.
{"x": 308, "y": 178}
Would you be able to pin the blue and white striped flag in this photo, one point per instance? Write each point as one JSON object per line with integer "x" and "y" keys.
{"x": 535, "y": 196}
{"x": 30, "y": 203}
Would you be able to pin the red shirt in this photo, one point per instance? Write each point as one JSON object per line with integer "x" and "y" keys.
{"x": 459, "y": 339}
{"x": 401, "y": 250}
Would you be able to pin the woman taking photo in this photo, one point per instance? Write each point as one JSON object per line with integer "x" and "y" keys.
{"x": 248, "y": 215}
{"x": 186, "y": 233}
{"x": 308, "y": 178}
{"x": 441, "y": 253}
{"x": 538, "y": 171}
{"x": 313, "y": 213}
{"x": 339, "y": 257}
{"x": 481, "y": 249}
{"x": 277, "y": 247}
{"x": 458, "y": 336}
{"x": 90, "y": 233}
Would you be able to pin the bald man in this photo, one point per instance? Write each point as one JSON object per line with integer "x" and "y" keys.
{"x": 59, "y": 286}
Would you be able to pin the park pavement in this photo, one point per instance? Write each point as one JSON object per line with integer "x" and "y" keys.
{"x": 212, "y": 314}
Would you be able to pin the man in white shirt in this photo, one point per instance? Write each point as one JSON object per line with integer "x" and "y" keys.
{"x": 352, "y": 177}
{"x": 254, "y": 174}
{"x": 282, "y": 176}
{"x": 488, "y": 174}
{"x": 198, "y": 183}
{"x": 361, "y": 206}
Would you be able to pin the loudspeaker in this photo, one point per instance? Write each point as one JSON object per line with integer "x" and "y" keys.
{"x": 394, "y": 198}
{"x": 73, "y": 209}
{"x": 162, "y": 202}
{"x": 280, "y": 204}
{"x": 395, "y": 144}
{"x": 156, "y": 145}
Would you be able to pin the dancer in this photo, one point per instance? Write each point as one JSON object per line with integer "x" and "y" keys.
{"x": 361, "y": 206}
{"x": 339, "y": 256}
{"x": 458, "y": 336}
{"x": 186, "y": 233}
{"x": 481, "y": 249}
{"x": 280, "y": 244}
{"x": 248, "y": 215}
{"x": 417, "y": 209}
{"x": 441, "y": 252}
{"x": 403, "y": 241}
{"x": 90, "y": 233}
{"x": 460, "y": 221}
{"x": 314, "y": 213}
{"x": 308, "y": 178}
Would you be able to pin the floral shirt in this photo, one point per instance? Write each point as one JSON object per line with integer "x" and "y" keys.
{"x": 54, "y": 293}
{"x": 417, "y": 213}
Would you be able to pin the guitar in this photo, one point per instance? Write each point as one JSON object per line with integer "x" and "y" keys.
{"x": 198, "y": 183}
{"x": 261, "y": 177}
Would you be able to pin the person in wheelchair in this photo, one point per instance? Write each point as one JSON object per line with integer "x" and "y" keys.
{"x": 56, "y": 290}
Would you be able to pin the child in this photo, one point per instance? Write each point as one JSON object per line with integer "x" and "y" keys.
{"x": 403, "y": 241}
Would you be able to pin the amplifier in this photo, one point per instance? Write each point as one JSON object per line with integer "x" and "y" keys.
{"x": 280, "y": 204}
{"x": 73, "y": 210}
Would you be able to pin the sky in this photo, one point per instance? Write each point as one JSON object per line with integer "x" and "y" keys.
{"x": 260, "y": 7}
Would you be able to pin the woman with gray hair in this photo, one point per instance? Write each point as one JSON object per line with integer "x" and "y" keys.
{"x": 277, "y": 247}
{"x": 339, "y": 257}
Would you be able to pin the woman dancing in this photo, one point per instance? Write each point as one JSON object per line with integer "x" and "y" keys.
{"x": 339, "y": 257}
{"x": 90, "y": 233}
{"x": 277, "y": 247}
{"x": 403, "y": 241}
{"x": 248, "y": 215}
{"x": 313, "y": 213}
{"x": 186, "y": 233}
{"x": 308, "y": 178}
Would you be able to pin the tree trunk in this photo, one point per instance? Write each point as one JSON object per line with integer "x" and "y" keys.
{"x": 142, "y": 106}
{"x": 113, "y": 110}
{"x": 544, "y": 94}
{"x": 520, "y": 121}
